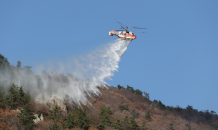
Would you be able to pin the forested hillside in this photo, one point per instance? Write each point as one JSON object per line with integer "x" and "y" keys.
{"x": 121, "y": 108}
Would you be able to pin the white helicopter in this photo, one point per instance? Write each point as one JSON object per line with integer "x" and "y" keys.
{"x": 125, "y": 34}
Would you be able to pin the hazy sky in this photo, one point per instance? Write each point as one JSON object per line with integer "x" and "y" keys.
{"x": 175, "y": 61}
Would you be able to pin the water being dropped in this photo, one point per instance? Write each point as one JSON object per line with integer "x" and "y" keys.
{"x": 85, "y": 73}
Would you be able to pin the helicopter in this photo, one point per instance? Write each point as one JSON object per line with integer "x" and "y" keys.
{"x": 125, "y": 34}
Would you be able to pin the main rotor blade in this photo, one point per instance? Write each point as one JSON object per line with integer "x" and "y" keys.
{"x": 137, "y": 27}
{"x": 122, "y": 27}
{"x": 138, "y": 32}
{"x": 121, "y": 23}
{"x": 119, "y": 30}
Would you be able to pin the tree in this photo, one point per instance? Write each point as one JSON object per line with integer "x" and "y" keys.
{"x": 188, "y": 126}
{"x": 27, "y": 69}
{"x": 212, "y": 112}
{"x": 155, "y": 101}
{"x": 178, "y": 108}
{"x": 147, "y": 95}
{"x": 23, "y": 98}
{"x": 19, "y": 65}
{"x": 6, "y": 63}
{"x": 13, "y": 96}
{"x": 2, "y": 58}
{"x": 138, "y": 92}
{"x": 161, "y": 105}
{"x": 126, "y": 123}
{"x": 26, "y": 116}
{"x": 117, "y": 125}
{"x": 100, "y": 127}
{"x": 17, "y": 97}
{"x": 133, "y": 124}
{"x": 104, "y": 117}
{"x": 54, "y": 115}
{"x": 2, "y": 100}
{"x": 70, "y": 121}
{"x": 189, "y": 109}
{"x": 3, "y": 62}
{"x": 207, "y": 115}
{"x": 148, "y": 116}
{"x": 143, "y": 126}
{"x": 124, "y": 107}
{"x": 131, "y": 89}
{"x": 134, "y": 113}
{"x": 119, "y": 86}
{"x": 83, "y": 121}
{"x": 171, "y": 126}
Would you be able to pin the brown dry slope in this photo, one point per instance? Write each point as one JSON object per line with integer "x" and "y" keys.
{"x": 160, "y": 119}
{"x": 113, "y": 98}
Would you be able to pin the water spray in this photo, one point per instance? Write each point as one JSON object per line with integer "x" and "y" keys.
{"x": 86, "y": 73}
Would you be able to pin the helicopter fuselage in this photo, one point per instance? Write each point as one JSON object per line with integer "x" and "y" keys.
{"x": 124, "y": 35}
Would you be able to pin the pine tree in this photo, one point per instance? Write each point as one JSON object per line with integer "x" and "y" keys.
{"x": 55, "y": 112}
{"x": 124, "y": 107}
{"x": 131, "y": 89}
{"x": 148, "y": 116}
{"x": 155, "y": 101}
{"x": 133, "y": 124}
{"x": 23, "y": 98}
{"x": 188, "y": 126}
{"x": 212, "y": 112}
{"x": 119, "y": 86}
{"x": 147, "y": 95}
{"x": 207, "y": 115}
{"x": 13, "y": 96}
{"x": 70, "y": 121}
{"x": 189, "y": 109}
{"x": 27, "y": 69}
{"x": 54, "y": 115}
{"x": 161, "y": 105}
{"x": 138, "y": 92}
{"x": 134, "y": 113}
{"x": 19, "y": 64}
{"x": 143, "y": 126}
{"x": 26, "y": 116}
{"x": 101, "y": 127}
{"x": 171, "y": 126}
{"x": 3, "y": 62}
{"x": 126, "y": 123}
{"x": 83, "y": 121}
{"x": 55, "y": 125}
{"x": 104, "y": 117}
{"x": 117, "y": 125}
{"x": 2, "y": 100}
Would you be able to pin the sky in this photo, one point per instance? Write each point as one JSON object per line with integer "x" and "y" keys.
{"x": 175, "y": 61}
